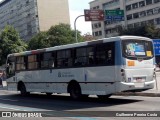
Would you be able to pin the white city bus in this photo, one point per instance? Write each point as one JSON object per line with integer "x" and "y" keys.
{"x": 101, "y": 67}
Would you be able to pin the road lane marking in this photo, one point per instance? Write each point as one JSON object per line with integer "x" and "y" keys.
{"x": 84, "y": 118}
{"x": 9, "y": 99}
{"x": 20, "y": 108}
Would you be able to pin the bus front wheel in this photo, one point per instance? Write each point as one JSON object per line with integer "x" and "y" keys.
{"x": 103, "y": 97}
{"x": 75, "y": 91}
{"x": 48, "y": 94}
{"x": 22, "y": 89}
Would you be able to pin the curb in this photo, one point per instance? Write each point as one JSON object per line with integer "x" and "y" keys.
{"x": 138, "y": 94}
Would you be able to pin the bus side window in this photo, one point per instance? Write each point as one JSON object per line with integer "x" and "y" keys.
{"x": 100, "y": 54}
{"x": 105, "y": 54}
{"x": 90, "y": 55}
{"x": 68, "y": 58}
{"x": 110, "y": 54}
{"x": 64, "y": 58}
{"x": 81, "y": 57}
{"x": 32, "y": 62}
{"x": 109, "y": 57}
{"x": 20, "y": 63}
{"x": 47, "y": 60}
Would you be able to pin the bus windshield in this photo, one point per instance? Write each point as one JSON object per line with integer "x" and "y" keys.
{"x": 134, "y": 49}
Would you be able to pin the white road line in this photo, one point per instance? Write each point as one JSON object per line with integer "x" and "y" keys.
{"x": 11, "y": 108}
{"x": 20, "y": 108}
{"x": 9, "y": 99}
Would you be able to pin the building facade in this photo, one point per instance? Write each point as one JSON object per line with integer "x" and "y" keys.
{"x": 29, "y": 17}
{"x": 136, "y": 12}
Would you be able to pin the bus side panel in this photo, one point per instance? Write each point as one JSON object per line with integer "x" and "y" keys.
{"x": 33, "y": 80}
{"x": 67, "y": 75}
{"x": 100, "y": 80}
{"x": 54, "y": 80}
{"x": 11, "y": 84}
{"x": 100, "y": 74}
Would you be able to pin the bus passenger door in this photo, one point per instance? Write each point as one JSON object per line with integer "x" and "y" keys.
{"x": 10, "y": 70}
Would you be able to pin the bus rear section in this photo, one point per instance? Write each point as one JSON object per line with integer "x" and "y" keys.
{"x": 138, "y": 69}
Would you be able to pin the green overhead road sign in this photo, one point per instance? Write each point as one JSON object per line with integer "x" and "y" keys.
{"x": 114, "y": 15}
{"x": 114, "y": 12}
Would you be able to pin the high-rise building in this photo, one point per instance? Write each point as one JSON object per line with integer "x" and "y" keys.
{"x": 29, "y": 17}
{"x": 136, "y": 12}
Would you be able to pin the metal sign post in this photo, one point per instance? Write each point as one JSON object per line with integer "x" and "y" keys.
{"x": 75, "y": 27}
{"x": 90, "y": 15}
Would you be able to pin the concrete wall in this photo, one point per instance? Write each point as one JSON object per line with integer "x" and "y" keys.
{"x": 52, "y": 12}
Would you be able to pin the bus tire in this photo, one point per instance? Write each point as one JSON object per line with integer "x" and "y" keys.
{"x": 75, "y": 91}
{"x": 22, "y": 89}
{"x": 84, "y": 96}
{"x": 104, "y": 97}
{"x": 48, "y": 94}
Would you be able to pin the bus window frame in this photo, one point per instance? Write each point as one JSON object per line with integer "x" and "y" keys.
{"x": 48, "y": 60}
{"x": 107, "y": 45}
{"x": 142, "y": 57}
{"x": 21, "y": 63}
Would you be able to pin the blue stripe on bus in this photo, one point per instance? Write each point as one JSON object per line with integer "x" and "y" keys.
{"x": 118, "y": 54}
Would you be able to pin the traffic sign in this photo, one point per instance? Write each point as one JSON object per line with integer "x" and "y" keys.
{"x": 94, "y": 15}
{"x": 114, "y": 18}
{"x": 114, "y": 15}
{"x": 156, "y": 43}
{"x": 114, "y": 12}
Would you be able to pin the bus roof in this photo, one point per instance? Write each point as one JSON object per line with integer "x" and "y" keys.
{"x": 61, "y": 47}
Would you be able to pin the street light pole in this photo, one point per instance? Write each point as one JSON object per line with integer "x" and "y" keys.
{"x": 75, "y": 27}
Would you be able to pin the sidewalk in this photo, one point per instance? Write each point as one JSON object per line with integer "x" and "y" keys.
{"x": 155, "y": 92}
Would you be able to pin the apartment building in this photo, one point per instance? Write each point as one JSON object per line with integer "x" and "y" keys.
{"x": 136, "y": 12}
{"x": 31, "y": 16}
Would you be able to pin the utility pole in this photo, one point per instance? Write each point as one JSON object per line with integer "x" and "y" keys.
{"x": 76, "y": 28}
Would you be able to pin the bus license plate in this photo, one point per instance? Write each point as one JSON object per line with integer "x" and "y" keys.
{"x": 139, "y": 82}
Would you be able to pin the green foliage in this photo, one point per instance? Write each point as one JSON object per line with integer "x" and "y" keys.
{"x": 146, "y": 31}
{"x": 39, "y": 41}
{"x": 10, "y": 43}
{"x": 57, "y": 35}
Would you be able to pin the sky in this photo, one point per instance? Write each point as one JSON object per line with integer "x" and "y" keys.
{"x": 76, "y": 8}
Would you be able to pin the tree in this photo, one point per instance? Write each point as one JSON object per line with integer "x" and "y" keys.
{"x": 147, "y": 31}
{"x": 57, "y": 35}
{"x": 88, "y": 37}
{"x": 41, "y": 40}
{"x": 62, "y": 34}
{"x": 10, "y": 43}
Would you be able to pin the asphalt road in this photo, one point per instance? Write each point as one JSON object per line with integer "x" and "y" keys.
{"x": 87, "y": 109}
